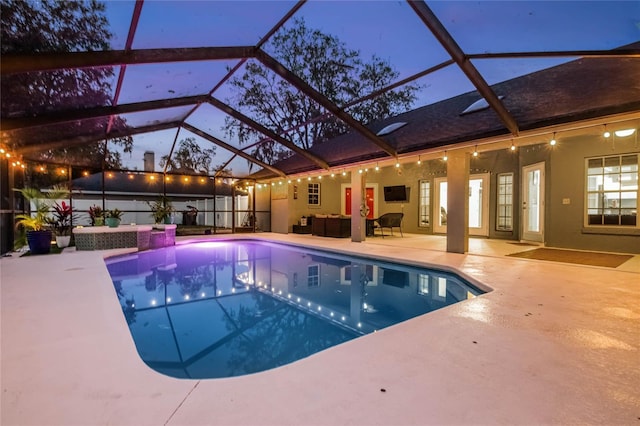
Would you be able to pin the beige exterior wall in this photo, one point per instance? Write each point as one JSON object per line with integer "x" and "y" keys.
{"x": 567, "y": 171}
{"x": 565, "y": 180}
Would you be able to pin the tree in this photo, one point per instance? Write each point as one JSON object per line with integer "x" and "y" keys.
{"x": 328, "y": 65}
{"x": 189, "y": 157}
{"x": 59, "y": 26}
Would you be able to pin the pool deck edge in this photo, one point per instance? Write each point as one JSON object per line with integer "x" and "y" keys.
{"x": 551, "y": 344}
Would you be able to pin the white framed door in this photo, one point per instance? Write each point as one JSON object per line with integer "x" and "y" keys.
{"x": 440, "y": 205}
{"x": 533, "y": 202}
{"x": 478, "y": 205}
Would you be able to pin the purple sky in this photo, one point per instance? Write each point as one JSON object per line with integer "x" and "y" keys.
{"x": 388, "y": 29}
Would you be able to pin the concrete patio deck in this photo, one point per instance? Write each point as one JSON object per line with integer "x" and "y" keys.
{"x": 551, "y": 344}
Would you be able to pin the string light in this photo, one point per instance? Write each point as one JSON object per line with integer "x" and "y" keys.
{"x": 344, "y": 173}
{"x": 475, "y": 151}
{"x": 513, "y": 147}
{"x": 419, "y": 160}
{"x": 377, "y": 167}
{"x": 397, "y": 165}
{"x": 552, "y": 142}
{"x": 445, "y": 158}
{"x": 606, "y": 133}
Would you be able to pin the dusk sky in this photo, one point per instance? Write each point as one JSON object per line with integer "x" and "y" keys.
{"x": 388, "y": 29}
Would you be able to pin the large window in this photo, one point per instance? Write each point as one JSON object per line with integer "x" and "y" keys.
{"x": 314, "y": 194}
{"x": 313, "y": 277}
{"x": 612, "y": 190}
{"x": 504, "y": 221}
{"x": 424, "y": 218}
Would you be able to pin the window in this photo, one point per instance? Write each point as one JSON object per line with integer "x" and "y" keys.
{"x": 504, "y": 220}
{"x": 425, "y": 204}
{"x": 423, "y": 284}
{"x": 612, "y": 190}
{"x": 314, "y": 194}
{"x": 313, "y": 279}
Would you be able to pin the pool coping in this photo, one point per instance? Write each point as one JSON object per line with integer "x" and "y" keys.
{"x": 521, "y": 354}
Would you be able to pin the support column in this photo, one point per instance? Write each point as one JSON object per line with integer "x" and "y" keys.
{"x": 458, "y": 202}
{"x": 358, "y": 223}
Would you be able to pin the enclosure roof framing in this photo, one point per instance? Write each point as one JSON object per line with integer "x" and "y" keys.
{"x": 306, "y": 88}
{"x": 21, "y": 63}
{"x": 236, "y": 151}
{"x": 95, "y": 137}
{"x": 267, "y": 132}
{"x": 58, "y": 117}
{"x": 217, "y": 62}
{"x": 458, "y": 55}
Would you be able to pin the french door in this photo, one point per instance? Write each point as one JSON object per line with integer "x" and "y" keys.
{"x": 533, "y": 202}
{"x": 478, "y": 205}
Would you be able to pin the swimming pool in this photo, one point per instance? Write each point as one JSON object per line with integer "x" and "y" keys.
{"x": 229, "y": 308}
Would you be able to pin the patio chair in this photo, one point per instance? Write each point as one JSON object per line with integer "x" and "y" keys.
{"x": 389, "y": 220}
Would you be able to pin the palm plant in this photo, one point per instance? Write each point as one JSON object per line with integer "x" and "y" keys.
{"x": 161, "y": 209}
{"x": 38, "y": 220}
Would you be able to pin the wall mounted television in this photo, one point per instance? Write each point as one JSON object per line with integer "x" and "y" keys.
{"x": 395, "y": 193}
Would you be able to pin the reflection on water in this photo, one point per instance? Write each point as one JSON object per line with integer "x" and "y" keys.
{"x": 226, "y": 309}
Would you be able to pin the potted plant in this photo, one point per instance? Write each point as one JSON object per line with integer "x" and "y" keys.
{"x": 161, "y": 209}
{"x": 112, "y": 218}
{"x": 61, "y": 222}
{"x": 96, "y": 215}
{"x": 35, "y": 225}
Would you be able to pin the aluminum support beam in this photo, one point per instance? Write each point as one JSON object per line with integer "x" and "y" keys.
{"x": 93, "y": 138}
{"x": 230, "y": 148}
{"x": 19, "y": 63}
{"x": 269, "y": 133}
{"x": 10, "y": 124}
{"x": 456, "y": 53}
{"x": 318, "y": 97}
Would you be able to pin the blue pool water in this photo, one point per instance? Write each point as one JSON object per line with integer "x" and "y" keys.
{"x": 221, "y": 309}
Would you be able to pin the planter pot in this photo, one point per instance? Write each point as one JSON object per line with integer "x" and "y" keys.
{"x": 63, "y": 240}
{"x": 112, "y": 222}
{"x": 98, "y": 221}
{"x": 39, "y": 241}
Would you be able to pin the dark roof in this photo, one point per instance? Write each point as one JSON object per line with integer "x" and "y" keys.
{"x": 583, "y": 89}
